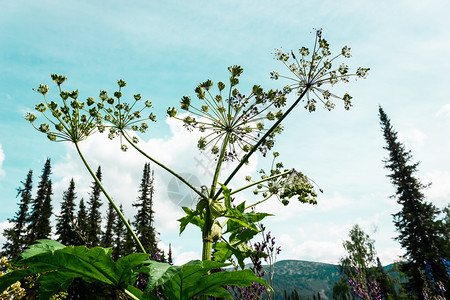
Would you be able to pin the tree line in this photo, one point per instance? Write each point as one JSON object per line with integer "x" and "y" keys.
{"x": 82, "y": 226}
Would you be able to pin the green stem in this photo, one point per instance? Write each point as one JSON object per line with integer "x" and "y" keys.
{"x": 254, "y": 148}
{"x": 113, "y": 204}
{"x": 206, "y": 232}
{"x": 256, "y": 182}
{"x": 161, "y": 165}
{"x": 130, "y": 294}
{"x": 219, "y": 165}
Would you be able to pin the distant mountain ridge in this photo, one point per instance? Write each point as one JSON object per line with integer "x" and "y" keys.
{"x": 307, "y": 277}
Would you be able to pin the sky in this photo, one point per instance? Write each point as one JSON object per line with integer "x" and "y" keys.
{"x": 164, "y": 49}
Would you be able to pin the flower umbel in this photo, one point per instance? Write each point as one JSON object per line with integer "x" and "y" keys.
{"x": 239, "y": 117}
{"x": 68, "y": 120}
{"x": 122, "y": 115}
{"x": 313, "y": 70}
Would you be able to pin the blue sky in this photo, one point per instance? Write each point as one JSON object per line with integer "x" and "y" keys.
{"x": 163, "y": 49}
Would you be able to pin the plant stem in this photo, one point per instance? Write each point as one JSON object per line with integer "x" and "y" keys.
{"x": 256, "y": 182}
{"x": 130, "y": 294}
{"x": 255, "y": 147}
{"x": 113, "y": 204}
{"x": 161, "y": 165}
{"x": 219, "y": 165}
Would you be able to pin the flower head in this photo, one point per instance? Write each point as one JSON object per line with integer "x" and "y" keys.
{"x": 121, "y": 115}
{"x": 68, "y": 120}
{"x": 313, "y": 70}
{"x": 231, "y": 116}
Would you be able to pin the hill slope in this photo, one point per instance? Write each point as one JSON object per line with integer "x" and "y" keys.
{"x": 306, "y": 277}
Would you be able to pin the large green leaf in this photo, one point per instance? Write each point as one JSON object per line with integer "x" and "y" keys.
{"x": 158, "y": 273}
{"x": 59, "y": 265}
{"x": 193, "y": 280}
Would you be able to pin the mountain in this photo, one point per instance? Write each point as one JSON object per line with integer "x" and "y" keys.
{"x": 308, "y": 278}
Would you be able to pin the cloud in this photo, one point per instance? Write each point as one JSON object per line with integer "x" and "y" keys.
{"x": 439, "y": 191}
{"x": 2, "y": 158}
{"x": 445, "y": 110}
{"x": 3, "y": 225}
{"x": 413, "y": 137}
{"x": 390, "y": 255}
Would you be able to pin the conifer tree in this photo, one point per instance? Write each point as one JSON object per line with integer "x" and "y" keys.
{"x": 16, "y": 235}
{"x": 128, "y": 242}
{"x": 421, "y": 235}
{"x": 82, "y": 224}
{"x": 65, "y": 229}
{"x": 169, "y": 255}
{"x": 119, "y": 237}
{"x": 37, "y": 225}
{"x": 107, "y": 240}
{"x": 144, "y": 218}
{"x": 45, "y": 227}
{"x": 94, "y": 220}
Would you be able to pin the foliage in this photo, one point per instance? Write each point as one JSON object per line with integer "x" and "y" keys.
{"x": 423, "y": 237}
{"x": 16, "y": 235}
{"x": 94, "y": 220}
{"x": 38, "y": 219}
{"x": 65, "y": 221}
{"x": 144, "y": 219}
{"x": 361, "y": 270}
{"x": 107, "y": 238}
{"x": 59, "y": 265}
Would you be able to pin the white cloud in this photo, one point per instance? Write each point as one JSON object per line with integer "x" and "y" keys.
{"x": 390, "y": 255}
{"x": 3, "y": 225}
{"x": 2, "y": 158}
{"x": 445, "y": 110}
{"x": 439, "y": 191}
{"x": 413, "y": 137}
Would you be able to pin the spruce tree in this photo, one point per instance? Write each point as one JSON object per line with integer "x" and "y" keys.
{"x": 107, "y": 239}
{"x": 82, "y": 224}
{"x": 65, "y": 229}
{"x": 37, "y": 224}
{"x": 119, "y": 237}
{"x": 143, "y": 222}
{"x": 421, "y": 235}
{"x": 94, "y": 220}
{"x": 16, "y": 235}
{"x": 169, "y": 255}
{"x": 128, "y": 242}
{"x": 45, "y": 227}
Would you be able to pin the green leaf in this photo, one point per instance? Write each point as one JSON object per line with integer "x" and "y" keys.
{"x": 41, "y": 246}
{"x": 59, "y": 265}
{"x": 159, "y": 273}
{"x": 222, "y": 252}
{"x": 227, "y": 197}
{"x": 125, "y": 266}
{"x": 194, "y": 280}
{"x": 192, "y": 217}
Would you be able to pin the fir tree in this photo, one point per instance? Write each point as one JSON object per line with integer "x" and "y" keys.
{"x": 16, "y": 235}
{"x": 128, "y": 242}
{"x": 421, "y": 235}
{"x": 45, "y": 227}
{"x": 94, "y": 220}
{"x": 82, "y": 224}
{"x": 169, "y": 255}
{"x": 37, "y": 225}
{"x": 65, "y": 229}
{"x": 107, "y": 240}
{"x": 119, "y": 237}
{"x": 144, "y": 218}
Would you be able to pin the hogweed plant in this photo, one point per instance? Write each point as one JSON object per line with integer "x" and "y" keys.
{"x": 234, "y": 125}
